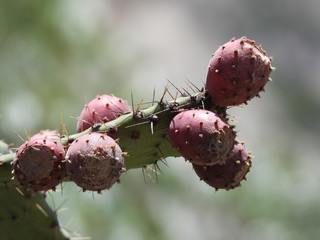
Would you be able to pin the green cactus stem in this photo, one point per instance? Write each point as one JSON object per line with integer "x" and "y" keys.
{"x": 141, "y": 133}
{"x": 25, "y": 214}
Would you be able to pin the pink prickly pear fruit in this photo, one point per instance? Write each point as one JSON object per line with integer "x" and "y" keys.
{"x": 237, "y": 72}
{"x": 229, "y": 175}
{"x": 39, "y": 164}
{"x": 46, "y": 134}
{"x": 95, "y": 162}
{"x": 102, "y": 109}
{"x": 201, "y": 137}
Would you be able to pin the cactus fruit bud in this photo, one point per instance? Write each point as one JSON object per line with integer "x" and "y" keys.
{"x": 39, "y": 164}
{"x": 201, "y": 136}
{"x": 95, "y": 162}
{"x": 229, "y": 175}
{"x": 237, "y": 72}
{"x": 102, "y": 109}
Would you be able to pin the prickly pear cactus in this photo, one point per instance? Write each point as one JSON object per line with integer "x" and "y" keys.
{"x": 238, "y": 71}
{"x": 39, "y": 164}
{"x": 112, "y": 138}
{"x": 201, "y": 137}
{"x": 95, "y": 162}
{"x": 229, "y": 175}
{"x": 24, "y": 214}
{"x": 102, "y": 109}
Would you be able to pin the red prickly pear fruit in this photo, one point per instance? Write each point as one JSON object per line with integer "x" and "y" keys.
{"x": 201, "y": 137}
{"x": 39, "y": 164}
{"x": 102, "y": 109}
{"x": 95, "y": 162}
{"x": 46, "y": 134}
{"x": 229, "y": 175}
{"x": 237, "y": 72}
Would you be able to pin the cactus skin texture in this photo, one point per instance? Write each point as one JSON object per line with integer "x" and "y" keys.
{"x": 237, "y": 72}
{"x": 95, "y": 162}
{"x": 102, "y": 109}
{"x": 229, "y": 175}
{"x": 39, "y": 164}
{"x": 201, "y": 136}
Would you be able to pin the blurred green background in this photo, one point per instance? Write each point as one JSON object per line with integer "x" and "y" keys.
{"x": 56, "y": 55}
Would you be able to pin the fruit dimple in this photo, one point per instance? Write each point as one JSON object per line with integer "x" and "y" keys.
{"x": 228, "y": 175}
{"x": 102, "y": 109}
{"x": 95, "y": 162}
{"x": 39, "y": 164}
{"x": 237, "y": 72}
{"x": 36, "y": 162}
{"x": 201, "y": 136}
